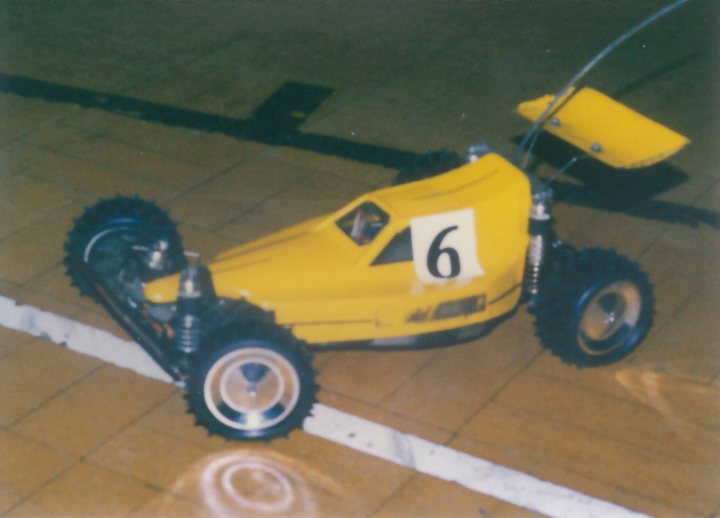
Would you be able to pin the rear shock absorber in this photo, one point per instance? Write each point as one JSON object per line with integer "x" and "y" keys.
{"x": 541, "y": 238}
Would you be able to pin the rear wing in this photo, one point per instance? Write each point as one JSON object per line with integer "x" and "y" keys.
{"x": 605, "y": 129}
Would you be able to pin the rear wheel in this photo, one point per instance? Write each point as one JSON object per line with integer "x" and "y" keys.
{"x": 432, "y": 163}
{"x": 595, "y": 307}
{"x": 253, "y": 388}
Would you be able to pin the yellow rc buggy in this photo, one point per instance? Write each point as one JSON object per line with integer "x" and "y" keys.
{"x": 433, "y": 259}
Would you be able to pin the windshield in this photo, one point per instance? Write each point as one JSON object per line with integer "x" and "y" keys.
{"x": 363, "y": 223}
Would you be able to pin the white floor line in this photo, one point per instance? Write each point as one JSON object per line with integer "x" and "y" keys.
{"x": 349, "y": 430}
{"x": 79, "y": 337}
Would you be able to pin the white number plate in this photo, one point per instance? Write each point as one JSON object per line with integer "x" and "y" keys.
{"x": 445, "y": 247}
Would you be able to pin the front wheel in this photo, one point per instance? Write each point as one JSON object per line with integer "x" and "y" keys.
{"x": 253, "y": 388}
{"x": 595, "y": 307}
{"x": 121, "y": 243}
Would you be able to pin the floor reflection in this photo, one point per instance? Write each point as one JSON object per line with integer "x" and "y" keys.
{"x": 671, "y": 396}
{"x": 690, "y": 412}
{"x": 250, "y": 482}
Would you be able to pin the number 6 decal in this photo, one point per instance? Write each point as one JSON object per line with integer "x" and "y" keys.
{"x": 444, "y": 246}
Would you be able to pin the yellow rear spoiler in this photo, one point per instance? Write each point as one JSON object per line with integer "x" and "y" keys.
{"x": 606, "y": 129}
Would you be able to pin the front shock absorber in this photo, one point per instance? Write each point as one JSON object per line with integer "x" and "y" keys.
{"x": 188, "y": 327}
{"x": 195, "y": 292}
{"x": 541, "y": 239}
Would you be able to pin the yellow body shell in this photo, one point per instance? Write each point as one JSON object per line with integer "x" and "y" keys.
{"x": 330, "y": 287}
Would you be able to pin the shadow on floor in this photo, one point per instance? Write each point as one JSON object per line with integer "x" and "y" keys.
{"x": 277, "y": 122}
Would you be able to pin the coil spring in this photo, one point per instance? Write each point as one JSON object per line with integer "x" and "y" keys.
{"x": 534, "y": 264}
{"x": 189, "y": 333}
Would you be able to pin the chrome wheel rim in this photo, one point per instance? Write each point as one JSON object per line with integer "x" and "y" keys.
{"x": 609, "y": 318}
{"x": 252, "y": 388}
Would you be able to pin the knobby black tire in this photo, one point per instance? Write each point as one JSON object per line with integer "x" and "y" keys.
{"x": 250, "y": 336}
{"x": 575, "y": 283}
{"x": 427, "y": 165}
{"x": 119, "y": 214}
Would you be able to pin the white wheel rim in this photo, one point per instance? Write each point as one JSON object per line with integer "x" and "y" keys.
{"x": 242, "y": 403}
{"x": 609, "y": 318}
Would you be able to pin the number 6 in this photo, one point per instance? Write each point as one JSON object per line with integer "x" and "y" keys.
{"x": 435, "y": 254}
{"x": 444, "y": 246}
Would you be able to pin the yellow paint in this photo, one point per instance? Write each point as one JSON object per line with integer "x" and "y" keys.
{"x": 322, "y": 284}
{"x": 606, "y": 129}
